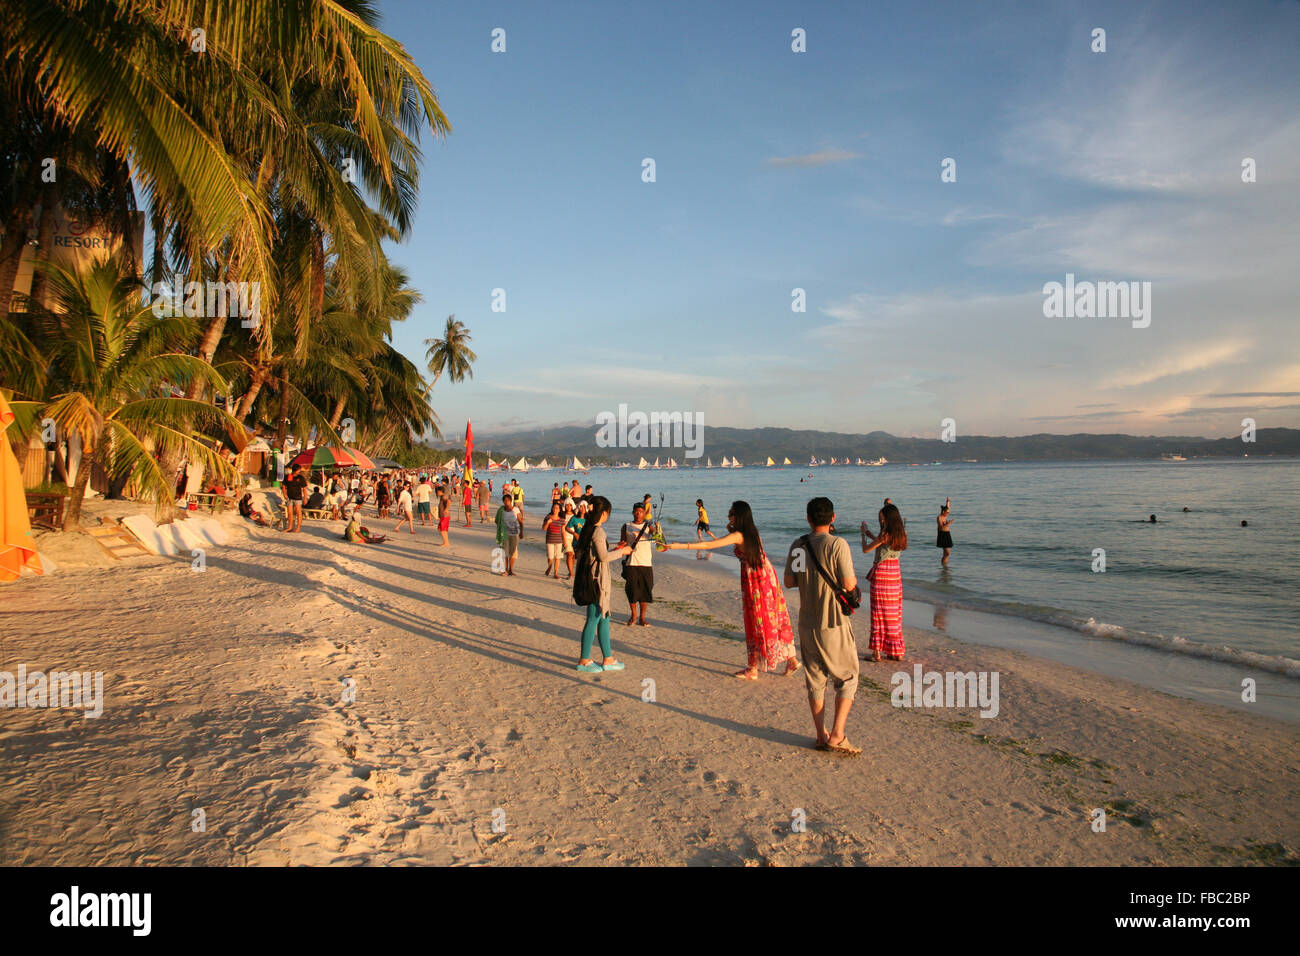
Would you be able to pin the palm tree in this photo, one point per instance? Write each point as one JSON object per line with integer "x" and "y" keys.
{"x": 451, "y": 353}
{"x": 113, "y": 72}
{"x": 111, "y": 367}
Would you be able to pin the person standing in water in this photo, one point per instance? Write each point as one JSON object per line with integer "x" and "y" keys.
{"x": 702, "y": 522}
{"x": 945, "y": 523}
{"x": 768, "y": 635}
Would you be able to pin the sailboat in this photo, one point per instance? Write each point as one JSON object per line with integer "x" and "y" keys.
{"x": 813, "y": 462}
{"x": 578, "y": 465}
{"x": 834, "y": 460}
{"x": 641, "y": 465}
{"x": 787, "y": 461}
{"x": 709, "y": 463}
{"x": 672, "y": 463}
{"x": 726, "y": 462}
{"x": 542, "y": 465}
{"x": 770, "y": 462}
{"x": 736, "y": 463}
{"x": 520, "y": 465}
{"x": 656, "y": 464}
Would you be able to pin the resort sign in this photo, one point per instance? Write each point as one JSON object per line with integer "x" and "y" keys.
{"x": 75, "y": 243}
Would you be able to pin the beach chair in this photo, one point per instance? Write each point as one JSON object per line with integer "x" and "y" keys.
{"x": 117, "y": 542}
{"x": 154, "y": 539}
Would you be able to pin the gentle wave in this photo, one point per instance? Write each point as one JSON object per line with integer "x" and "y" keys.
{"x": 1274, "y": 664}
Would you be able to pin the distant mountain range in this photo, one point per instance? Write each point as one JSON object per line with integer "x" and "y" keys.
{"x": 753, "y": 445}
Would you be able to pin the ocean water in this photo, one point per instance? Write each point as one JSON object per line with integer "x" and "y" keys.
{"x": 1024, "y": 538}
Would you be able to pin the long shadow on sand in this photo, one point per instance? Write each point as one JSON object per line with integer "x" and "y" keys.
{"x": 494, "y": 647}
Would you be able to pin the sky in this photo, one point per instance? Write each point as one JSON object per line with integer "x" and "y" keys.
{"x": 777, "y": 170}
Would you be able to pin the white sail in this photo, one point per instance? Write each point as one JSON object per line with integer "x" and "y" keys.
{"x": 578, "y": 465}
{"x": 672, "y": 463}
{"x": 770, "y": 462}
{"x": 520, "y": 465}
{"x": 709, "y": 463}
{"x": 542, "y": 465}
{"x": 787, "y": 461}
{"x": 642, "y": 464}
{"x": 726, "y": 462}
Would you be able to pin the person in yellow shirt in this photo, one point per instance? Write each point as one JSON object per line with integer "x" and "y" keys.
{"x": 702, "y": 522}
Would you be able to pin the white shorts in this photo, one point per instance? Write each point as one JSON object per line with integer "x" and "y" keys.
{"x": 554, "y": 549}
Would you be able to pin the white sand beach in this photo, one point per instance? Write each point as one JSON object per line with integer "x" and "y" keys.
{"x": 472, "y": 740}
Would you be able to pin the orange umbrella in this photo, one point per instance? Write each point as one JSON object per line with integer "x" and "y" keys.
{"x": 17, "y": 549}
{"x": 360, "y": 460}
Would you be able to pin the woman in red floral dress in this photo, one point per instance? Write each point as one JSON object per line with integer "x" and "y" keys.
{"x": 768, "y": 634}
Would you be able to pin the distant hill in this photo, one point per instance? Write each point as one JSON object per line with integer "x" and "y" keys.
{"x": 753, "y": 445}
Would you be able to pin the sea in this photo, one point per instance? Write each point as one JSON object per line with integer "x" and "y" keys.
{"x": 1030, "y": 540}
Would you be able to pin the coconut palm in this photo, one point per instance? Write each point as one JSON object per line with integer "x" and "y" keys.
{"x": 112, "y": 366}
{"x": 113, "y": 71}
{"x": 451, "y": 353}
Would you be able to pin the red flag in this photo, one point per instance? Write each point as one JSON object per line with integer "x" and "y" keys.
{"x": 469, "y": 450}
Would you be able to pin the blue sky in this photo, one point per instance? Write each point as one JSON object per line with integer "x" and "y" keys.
{"x": 821, "y": 171}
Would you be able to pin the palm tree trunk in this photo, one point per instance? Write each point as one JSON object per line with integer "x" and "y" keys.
{"x": 159, "y": 249}
{"x": 338, "y": 412}
{"x": 207, "y": 349}
{"x": 282, "y": 426}
{"x": 255, "y": 386}
{"x": 425, "y": 394}
{"x": 72, "y": 517}
{"x": 11, "y": 254}
{"x": 50, "y": 199}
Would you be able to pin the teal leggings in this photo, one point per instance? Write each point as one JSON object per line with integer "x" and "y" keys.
{"x": 597, "y": 627}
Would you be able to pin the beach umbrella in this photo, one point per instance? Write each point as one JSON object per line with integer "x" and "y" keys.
{"x": 17, "y": 547}
{"x": 324, "y": 456}
{"x": 360, "y": 460}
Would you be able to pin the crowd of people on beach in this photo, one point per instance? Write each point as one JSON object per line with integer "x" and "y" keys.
{"x": 818, "y": 564}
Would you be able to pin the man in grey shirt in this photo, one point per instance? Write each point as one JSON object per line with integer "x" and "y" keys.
{"x": 825, "y": 633}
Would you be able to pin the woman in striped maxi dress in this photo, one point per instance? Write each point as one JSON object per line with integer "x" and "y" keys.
{"x": 886, "y": 584}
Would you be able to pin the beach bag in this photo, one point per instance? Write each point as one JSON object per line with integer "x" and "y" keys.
{"x": 645, "y": 526}
{"x": 586, "y": 579}
{"x": 849, "y": 601}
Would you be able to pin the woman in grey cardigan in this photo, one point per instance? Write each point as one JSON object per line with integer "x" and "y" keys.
{"x": 592, "y": 542}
